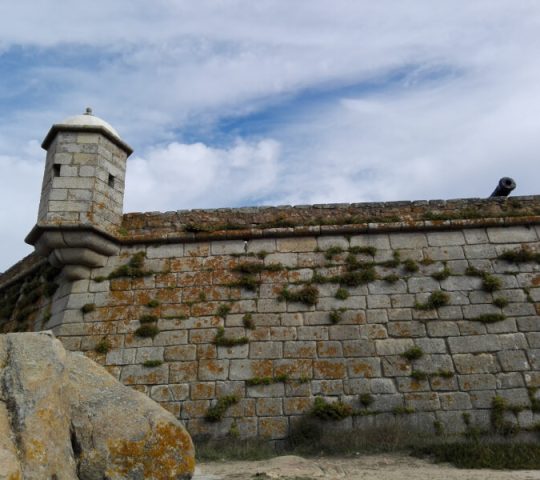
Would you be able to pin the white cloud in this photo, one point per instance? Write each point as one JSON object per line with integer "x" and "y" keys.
{"x": 197, "y": 176}
{"x": 462, "y": 113}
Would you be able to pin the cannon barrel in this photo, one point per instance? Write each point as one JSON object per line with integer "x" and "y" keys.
{"x": 505, "y": 186}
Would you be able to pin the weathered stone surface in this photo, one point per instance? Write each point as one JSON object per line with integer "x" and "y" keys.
{"x": 69, "y": 419}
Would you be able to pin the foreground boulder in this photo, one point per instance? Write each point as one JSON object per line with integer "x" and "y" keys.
{"x": 64, "y": 417}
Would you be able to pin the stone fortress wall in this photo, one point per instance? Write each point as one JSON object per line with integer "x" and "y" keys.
{"x": 241, "y": 321}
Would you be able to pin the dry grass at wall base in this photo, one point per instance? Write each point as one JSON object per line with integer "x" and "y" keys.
{"x": 314, "y": 437}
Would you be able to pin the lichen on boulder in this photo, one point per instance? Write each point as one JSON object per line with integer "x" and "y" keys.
{"x": 63, "y": 416}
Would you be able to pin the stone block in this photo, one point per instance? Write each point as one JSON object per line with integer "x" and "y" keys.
{"x": 269, "y": 407}
{"x": 383, "y": 287}
{"x": 379, "y": 241}
{"x": 431, "y": 345}
{"x": 513, "y": 341}
{"x": 165, "y": 251}
{"x": 477, "y": 382}
{"x": 182, "y": 371}
{"x": 326, "y": 242}
{"x": 329, "y": 369}
{"x": 343, "y": 332}
{"x": 356, "y": 386}
{"x": 444, "y": 253}
{"x": 273, "y": 427}
{"x": 326, "y": 349}
{"x": 480, "y": 251}
{"x": 180, "y": 352}
{"x": 282, "y": 333}
{"x": 509, "y": 380}
{"x": 358, "y": 348}
{"x": 327, "y": 387}
{"x": 399, "y": 314}
{"x": 464, "y": 283}
{"x": 442, "y": 239}
{"x": 406, "y": 329}
{"x": 139, "y": 375}
{"x": 513, "y": 360}
{"x": 259, "y": 350}
{"x": 312, "y": 333}
{"x": 378, "y": 301}
{"x": 479, "y": 363}
{"x": 474, "y": 344}
{"x": 246, "y": 369}
{"x": 442, "y": 329}
{"x": 408, "y": 240}
{"x": 202, "y": 390}
{"x": 363, "y": 367}
{"x": 227, "y": 247}
{"x": 236, "y": 351}
{"x": 422, "y": 401}
{"x": 422, "y": 284}
{"x": 396, "y": 366}
{"x": 387, "y": 402}
{"x": 515, "y": 234}
{"x": 403, "y": 300}
{"x": 393, "y": 346}
{"x": 149, "y": 353}
{"x": 296, "y": 244}
{"x": 408, "y": 384}
{"x": 296, "y": 405}
{"x": 377, "y": 316}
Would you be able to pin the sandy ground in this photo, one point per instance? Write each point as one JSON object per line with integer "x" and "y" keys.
{"x": 368, "y": 467}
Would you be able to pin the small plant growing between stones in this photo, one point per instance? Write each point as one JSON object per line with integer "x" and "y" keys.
{"x": 419, "y": 375}
{"x": 535, "y": 402}
{"x": 367, "y": 250}
{"x": 366, "y": 399}
{"x": 435, "y": 300}
{"x": 247, "y": 321}
{"x": 336, "y": 315}
{"x": 527, "y": 293}
{"x": 489, "y": 318}
{"x": 262, "y": 254}
{"x": 395, "y": 262}
{"x": 215, "y": 413}
{"x": 202, "y": 297}
{"x": 442, "y": 274}
{"x": 152, "y": 363}
{"x": 330, "y": 410}
{"x": 500, "y": 302}
{"x": 148, "y": 319}
{"x": 148, "y": 330}
{"x": 410, "y": 265}
{"x": 342, "y": 294}
{"x": 234, "y": 432}
{"x": 438, "y": 427}
{"x": 247, "y": 282}
{"x": 103, "y": 346}
{"x": 523, "y": 255}
{"x": 133, "y": 269}
{"x": 490, "y": 283}
{"x": 221, "y": 340}
{"x": 427, "y": 261}
{"x": 403, "y": 410}
{"x": 331, "y": 252}
{"x": 498, "y": 406}
{"x": 223, "y": 310}
{"x": 391, "y": 278}
{"x": 153, "y": 303}
{"x": 308, "y": 295}
{"x": 413, "y": 353}
{"x": 88, "y": 307}
{"x": 267, "y": 380}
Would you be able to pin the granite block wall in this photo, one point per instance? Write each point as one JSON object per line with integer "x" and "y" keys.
{"x": 275, "y": 323}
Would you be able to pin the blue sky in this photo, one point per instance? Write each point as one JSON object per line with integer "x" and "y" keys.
{"x": 235, "y": 102}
